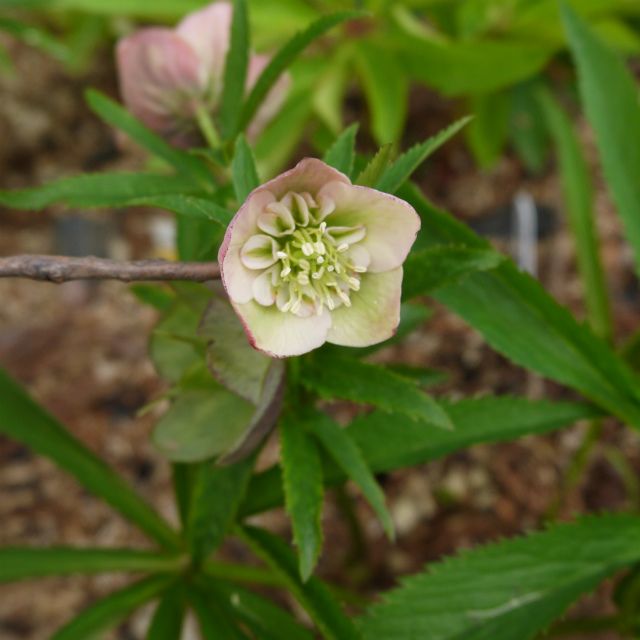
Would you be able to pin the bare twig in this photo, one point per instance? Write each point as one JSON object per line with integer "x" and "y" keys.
{"x": 62, "y": 269}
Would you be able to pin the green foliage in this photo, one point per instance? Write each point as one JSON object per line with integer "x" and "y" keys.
{"x": 506, "y": 591}
{"x": 487, "y": 132}
{"x": 341, "y": 155}
{"x": 243, "y": 169}
{"x": 168, "y": 617}
{"x": 215, "y": 620}
{"x": 373, "y": 171}
{"x": 614, "y": 114}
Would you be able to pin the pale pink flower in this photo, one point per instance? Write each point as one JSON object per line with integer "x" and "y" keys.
{"x": 165, "y": 74}
{"x": 311, "y": 258}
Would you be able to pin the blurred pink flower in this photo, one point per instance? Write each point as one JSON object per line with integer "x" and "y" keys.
{"x": 311, "y": 258}
{"x": 166, "y": 74}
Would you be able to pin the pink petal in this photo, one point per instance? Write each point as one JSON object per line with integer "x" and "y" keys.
{"x": 208, "y": 32}
{"x": 279, "y": 334}
{"x": 391, "y": 224}
{"x": 374, "y": 313}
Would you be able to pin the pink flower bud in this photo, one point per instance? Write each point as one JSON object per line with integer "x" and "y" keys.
{"x": 310, "y": 258}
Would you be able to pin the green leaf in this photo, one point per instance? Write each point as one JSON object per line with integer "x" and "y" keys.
{"x": 98, "y": 190}
{"x": 395, "y": 175}
{"x": 397, "y": 441}
{"x": 188, "y": 206}
{"x": 386, "y": 88}
{"x": 17, "y": 563}
{"x": 428, "y": 269}
{"x": 25, "y": 421}
{"x": 578, "y": 194}
{"x": 168, "y": 617}
{"x": 371, "y": 174}
{"x": 283, "y": 59}
{"x": 350, "y": 379}
{"x": 341, "y": 154}
{"x": 235, "y": 69}
{"x": 302, "y": 483}
{"x": 243, "y": 168}
{"x": 519, "y": 318}
{"x": 528, "y": 128}
{"x": 313, "y": 595}
{"x": 117, "y": 116}
{"x": 614, "y": 114}
{"x": 346, "y": 454}
{"x": 109, "y": 611}
{"x": 506, "y": 591}
{"x": 156, "y": 296}
{"x": 487, "y": 132}
{"x": 216, "y": 620}
{"x": 217, "y": 492}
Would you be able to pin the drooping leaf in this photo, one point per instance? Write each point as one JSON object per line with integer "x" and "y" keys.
{"x": 302, "y": 484}
{"x": 394, "y": 176}
{"x": 168, "y": 617}
{"x": 313, "y": 595}
{"x": 243, "y": 169}
{"x": 506, "y": 591}
{"x": 341, "y": 154}
{"x": 614, "y": 114}
{"x": 25, "y": 421}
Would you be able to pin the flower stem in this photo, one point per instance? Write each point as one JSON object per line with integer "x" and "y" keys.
{"x": 207, "y": 127}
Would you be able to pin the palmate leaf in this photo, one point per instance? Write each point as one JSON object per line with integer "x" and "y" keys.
{"x": 341, "y": 154}
{"x": 395, "y": 441}
{"x": 615, "y": 116}
{"x": 506, "y": 591}
{"x": 25, "y": 421}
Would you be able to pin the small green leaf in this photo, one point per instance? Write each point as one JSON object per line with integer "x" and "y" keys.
{"x": 25, "y": 421}
{"x": 168, "y": 617}
{"x": 487, "y": 132}
{"x": 350, "y": 379}
{"x": 243, "y": 168}
{"x": 506, "y": 591}
{"x": 428, "y": 269}
{"x": 376, "y": 167}
{"x": 348, "y": 457}
{"x": 313, "y": 595}
{"x": 302, "y": 483}
{"x": 283, "y": 59}
{"x": 341, "y": 154}
{"x": 235, "y": 70}
{"x": 109, "y": 611}
{"x": 400, "y": 171}
{"x": 216, "y": 621}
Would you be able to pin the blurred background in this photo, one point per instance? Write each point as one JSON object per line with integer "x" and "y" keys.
{"x": 405, "y": 72}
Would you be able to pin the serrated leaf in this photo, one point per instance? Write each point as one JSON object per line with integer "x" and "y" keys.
{"x": 313, "y": 595}
{"x": 614, "y": 114}
{"x": 370, "y": 175}
{"x": 168, "y": 617}
{"x": 25, "y": 421}
{"x": 188, "y": 206}
{"x": 346, "y": 454}
{"x": 235, "y": 69}
{"x": 303, "y": 490}
{"x": 428, "y": 269}
{"x": 243, "y": 169}
{"x": 283, "y": 59}
{"x": 393, "y": 442}
{"x": 350, "y": 379}
{"x": 400, "y": 171}
{"x": 109, "y": 611}
{"x": 506, "y": 591}
{"x": 341, "y": 154}
{"x": 17, "y": 563}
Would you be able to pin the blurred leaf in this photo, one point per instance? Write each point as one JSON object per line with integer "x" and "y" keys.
{"x": 235, "y": 69}
{"x": 108, "y": 612}
{"x": 487, "y": 132}
{"x": 386, "y": 88}
{"x": 376, "y": 167}
{"x": 506, "y": 591}
{"x": 350, "y": 379}
{"x": 25, "y": 421}
{"x": 614, "y": 114}
{"x": 156, "y": 296}
{"x": 342, "y": 153}
{"x": 346, "y": 454}
{"x": 430, "y": 269}
{"x": 36, "y": 37}
{"x": 168, "y": 617}
{"x": 528, "y": 128}
{"x": 401, "y": 170}
{"x": 117, "y": 116}
{"x": 215, "y": 621}
{"x": 579, "y": 196}
{"x": 329, "y": 92}
{"x": 422, "y": 376}
{"x": 197, "y": 208}
{"x": 243, "y": 168}
{"x": 304, "y": 494}
{"x": 17, "y": 563}
{"x": 283, "y": 59}
{"x": 313, "y": 595}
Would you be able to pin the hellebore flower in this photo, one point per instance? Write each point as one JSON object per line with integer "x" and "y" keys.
{"x": 167, "y": 75}
{"x": 311, "y": 258}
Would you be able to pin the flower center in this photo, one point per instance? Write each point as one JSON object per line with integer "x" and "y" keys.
{"x": 304, "y": 263}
